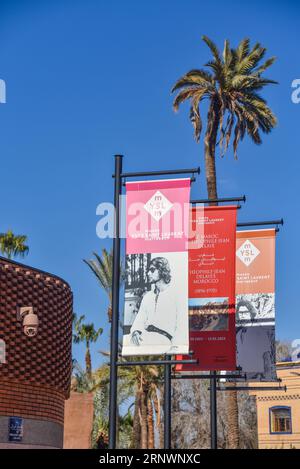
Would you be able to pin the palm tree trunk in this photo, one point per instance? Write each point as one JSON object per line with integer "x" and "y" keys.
{"x": 150, "y": 423}
{"x": 143, "y": 414}
{"x": 143, "y": 421}
{"x": 210, "y": 169}
{"x": 109, "y": 313}
{"x": 158, "y": 420}
{"x": 88, "y": 361}
{"x": 213, "y": 120}
{"x": 161, "y": 425}
{"x": 232, "y": 418}
{"x": 210, "y": 150}
{"x": 117, "y": 427}
{"x": 161, "y": 435}
{"x": 136, "y": 430}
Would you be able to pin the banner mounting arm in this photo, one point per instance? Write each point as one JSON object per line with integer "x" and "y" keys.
{"x": 193, "y": 171}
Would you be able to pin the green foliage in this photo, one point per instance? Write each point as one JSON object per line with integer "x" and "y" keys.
{"x": 81, "y": 380}
{"x": 102, "y": 268}
{"x": 85, "y": 332}
{"x": 100, "y": 423}
{"x": 13, "y": 245}
{"x": 231, "y": 85}
{"x": 101, "y": 406}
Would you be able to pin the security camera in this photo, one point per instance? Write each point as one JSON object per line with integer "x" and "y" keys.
{"x": 30, "y": 320}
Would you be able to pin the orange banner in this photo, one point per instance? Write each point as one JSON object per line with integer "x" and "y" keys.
{"x": 255, "y": 261}
{"x": 255, "y": 303}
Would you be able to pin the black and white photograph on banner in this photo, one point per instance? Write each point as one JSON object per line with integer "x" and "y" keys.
{"x": 255, "y": 308}
{"x": 208, "y": 314}
{"x": 156, "y": 304}
{"x": 256, "y": 352}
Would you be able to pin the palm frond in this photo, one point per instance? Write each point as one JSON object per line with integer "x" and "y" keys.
{"x": 184, "y": 95}
{"x": 227, "y": 54}
{"x": 194, "y": 78}
{"x": 12, "y": 245}
{"x": 264, "y": 66}
{"x": 232, "y": 89}
{"x": 243, "y": 49}
{"x": 213, "y": 48}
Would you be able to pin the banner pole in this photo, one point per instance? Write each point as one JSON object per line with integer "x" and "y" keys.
{"x": 158, "y": 362}
{"x": 113, "y": 391}
{"x": 213, "y": 411}
{"x": 167, "y": 404}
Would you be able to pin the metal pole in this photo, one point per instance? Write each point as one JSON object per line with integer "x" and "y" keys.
{"x": 252, "y": 388}
{"x": 208, "y": 376}
{"x": 167, "y": 405}
{"x": 260, "y": 223}
{"x": 161, "y": 173}
{"x": 213, "y": 411}
{"x": 113, "y": 391}
{"x": 224, "y": 199}
{"x": 158, "y": 362}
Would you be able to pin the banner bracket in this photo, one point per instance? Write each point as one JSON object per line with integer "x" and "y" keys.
{"x": 160, "y": 173}
{"x": 217, "y": 201}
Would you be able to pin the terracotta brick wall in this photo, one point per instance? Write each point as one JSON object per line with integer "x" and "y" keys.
{"x": 35, "y": 378}
{"x": 45, "y": 358}
{"x": 31, "y": 401}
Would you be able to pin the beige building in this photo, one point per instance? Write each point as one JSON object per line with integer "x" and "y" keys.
{"x": 278, "y": 412}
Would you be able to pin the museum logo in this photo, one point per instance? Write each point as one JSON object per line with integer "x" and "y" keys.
{"x": 247, "y": 252}
{"x": 158, "y": 205}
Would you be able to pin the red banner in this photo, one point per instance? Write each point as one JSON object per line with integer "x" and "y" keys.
{"x": 212, "y": 289}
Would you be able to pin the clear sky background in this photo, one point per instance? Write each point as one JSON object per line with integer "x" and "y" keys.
{"x": 90, "y": 78}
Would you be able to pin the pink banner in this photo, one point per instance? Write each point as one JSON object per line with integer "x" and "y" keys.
{"x": 156, "y": 268}
{"x": 157, "y": 216}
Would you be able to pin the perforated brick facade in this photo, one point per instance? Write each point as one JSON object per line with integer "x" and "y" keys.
{"x": 35, "y": 378}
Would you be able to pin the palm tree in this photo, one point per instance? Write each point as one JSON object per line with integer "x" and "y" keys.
{"x": 88, "y": 334}
{"x": 98, "y": 384}
{"x": 233, "y": 436}
{"x": 102, "y": 268}
{"x": 101, "y": 402}
{"x": 13, "y": 245}
{"x": 81, "y": 381}
{"x": 230, "y": 85}
{"x": 140, "y": 381}
{"x": 145, "y": 382}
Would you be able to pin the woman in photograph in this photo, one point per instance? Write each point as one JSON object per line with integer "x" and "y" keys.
{"x": 157, "y": 320}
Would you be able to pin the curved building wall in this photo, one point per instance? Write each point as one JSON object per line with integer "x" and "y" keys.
{"x": 35, "y": 377}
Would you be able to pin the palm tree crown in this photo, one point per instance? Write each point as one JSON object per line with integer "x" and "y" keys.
{"x": 102, "y": 268}
{"x": 13, "y": 245}
{"x": 85, "y": 333}
{"x": 231, "y": 85}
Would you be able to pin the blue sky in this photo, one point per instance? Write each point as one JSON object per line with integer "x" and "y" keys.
{"x": 87, "y": 79}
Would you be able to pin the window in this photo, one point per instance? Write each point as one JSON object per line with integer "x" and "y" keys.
{"x": 280, "y": 420}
